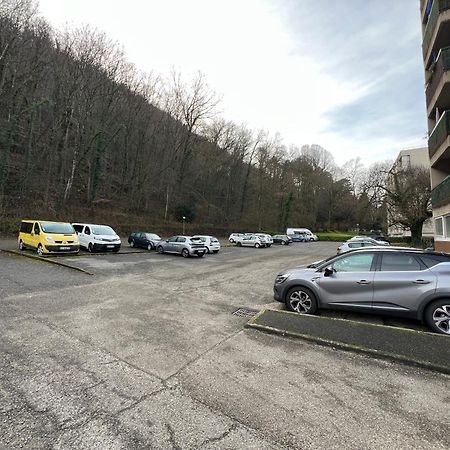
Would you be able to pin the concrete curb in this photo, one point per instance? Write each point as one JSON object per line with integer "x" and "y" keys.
{"x": 50, "y": 261}
{"x": 411, "y": 361}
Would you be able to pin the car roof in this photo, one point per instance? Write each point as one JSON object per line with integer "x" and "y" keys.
{"x": 379, "y": 249}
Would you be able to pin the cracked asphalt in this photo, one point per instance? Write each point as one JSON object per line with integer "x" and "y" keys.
{"x": 146, "y": 353}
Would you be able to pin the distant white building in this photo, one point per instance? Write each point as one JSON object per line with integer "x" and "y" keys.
{"x": 410, "y": 158}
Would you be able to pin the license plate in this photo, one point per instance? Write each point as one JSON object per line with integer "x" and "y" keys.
{"x": 110, "y": 246}
{"x": 64, "y": 248}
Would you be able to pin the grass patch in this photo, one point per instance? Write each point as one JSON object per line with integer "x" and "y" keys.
{"x": 334, "y": 236}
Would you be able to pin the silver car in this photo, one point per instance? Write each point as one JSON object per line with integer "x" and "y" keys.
{"x": 392, "y": 281}
{"x": 184, "y": 245}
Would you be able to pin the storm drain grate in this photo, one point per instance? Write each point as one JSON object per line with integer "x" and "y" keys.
{"x": 245, "y": 312}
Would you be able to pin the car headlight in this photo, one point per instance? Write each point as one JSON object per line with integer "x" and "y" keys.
{"x": 281, "y": 278}
{"x": 49, "y": 239}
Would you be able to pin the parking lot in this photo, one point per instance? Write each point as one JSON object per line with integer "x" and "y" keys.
{"x": 143, "y": 351}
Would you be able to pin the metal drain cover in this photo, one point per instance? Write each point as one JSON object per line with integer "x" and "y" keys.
{"x": 245, "y": 312}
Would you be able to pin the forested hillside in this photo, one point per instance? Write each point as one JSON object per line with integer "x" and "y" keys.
{"x": 85, "y": 136}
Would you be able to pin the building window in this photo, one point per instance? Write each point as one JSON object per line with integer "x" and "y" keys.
{"x": 447, "y": 226}
{"x": 439, "y": 227}
{"x": 406, "y": 161}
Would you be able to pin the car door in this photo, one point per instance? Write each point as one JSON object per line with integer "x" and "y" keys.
{"x": 170, "y": 245}
{"x": 35, "y": 235}
{"x": 140, "y": 240}
{"x": 350, "y": 285}
{"x": 401, "y": 283}
{"x": 179, "y": 244}
{"x": 85, "y": 237}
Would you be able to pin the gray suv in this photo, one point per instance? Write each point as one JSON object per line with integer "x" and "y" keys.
{"x": 392, "y": 281}
{"x": 184, "y": 245}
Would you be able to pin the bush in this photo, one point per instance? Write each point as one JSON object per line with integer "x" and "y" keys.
{"x": 334, "y": 236}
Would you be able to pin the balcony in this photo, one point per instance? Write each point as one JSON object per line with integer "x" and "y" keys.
{"x": 439, "y": 134}
{"x": 440, "y": 195}
{"x": 441, "y": 68}
{"x": 442, "y": 37}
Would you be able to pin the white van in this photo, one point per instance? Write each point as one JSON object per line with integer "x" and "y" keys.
{"x": 302, "y": 231}
{"x": 95, "y": 238}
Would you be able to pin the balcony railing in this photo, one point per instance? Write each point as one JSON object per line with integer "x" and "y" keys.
{"x": 442, "y": 65}
{"x": 439, "y": 134}
{"x": 438, "y": 7}
{"x": 440, "y": 195}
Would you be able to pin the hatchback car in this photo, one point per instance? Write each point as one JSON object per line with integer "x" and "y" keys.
{"x": 143, "y": 240}
{"x": 265, "y": 237}
{"x": 234, "y": 237}
{"x": 392, "y": 281}
{"x": 211, "y": 243}
{"x": 184, "y": 245}
{"x": 282, "y": 239}
{"x": 358, "y": 243}
{"x": 252, "y": 241}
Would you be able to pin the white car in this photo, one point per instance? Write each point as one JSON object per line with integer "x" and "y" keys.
{"x": 267, "y": 237}
{"x": 235, "y": 237}
{"x": 358, "y": 243}
{"x": 95, "y": 238}
{"x": 367, "y": 238}
{"x": 211, "y": 243}
{"x": 252, "y": 241}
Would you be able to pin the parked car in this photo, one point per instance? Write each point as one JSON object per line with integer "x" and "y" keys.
{"x": 358, "y": 243}
{"x": 143, "y": 239}
{"x": 392, "y": 281}
{"x": 211, "y": 243}
{"x": 47, "y": 237}
{"x": 308, "y": 234}
{"x": 378, "y": 236}
{"x": 299, "y": 237}
{"x": 282, "y": 239}
{"x": 184, "y": 245}
{"x": 252, "y": 241}
{"x": 265, "y": 237}
{"x": 234, "y": 237}
{"x": 367, "y": 238}
{"x": 96, "y": 238}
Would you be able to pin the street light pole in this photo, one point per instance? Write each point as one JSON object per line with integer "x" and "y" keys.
{"x": 184, "y": 219}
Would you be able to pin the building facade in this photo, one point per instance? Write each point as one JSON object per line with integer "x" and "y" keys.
{"x": 435, "y": 16}
{"x": 414, "y": 157}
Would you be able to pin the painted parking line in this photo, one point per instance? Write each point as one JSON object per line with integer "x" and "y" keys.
{"x": 411, "y": 347}
{"x": 47, "y": 260}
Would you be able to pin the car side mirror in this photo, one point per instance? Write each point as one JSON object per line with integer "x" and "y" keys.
{"x": 328, "y": 271}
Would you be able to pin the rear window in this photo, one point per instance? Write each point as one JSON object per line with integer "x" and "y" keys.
{"x": 57, "y": 228}
{"x": 432, "y": 260}
{"x": 399, "y": 263}
{"x": 26, "y": 227}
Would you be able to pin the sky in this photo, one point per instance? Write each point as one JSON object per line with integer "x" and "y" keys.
{"x": 344, "y": 74}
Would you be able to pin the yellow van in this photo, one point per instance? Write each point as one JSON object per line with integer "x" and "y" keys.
{"x": 48, "y": 237}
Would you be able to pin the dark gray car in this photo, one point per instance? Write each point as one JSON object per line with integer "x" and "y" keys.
{"x": 392, "y": 281}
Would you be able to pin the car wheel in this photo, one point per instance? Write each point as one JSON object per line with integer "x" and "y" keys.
{"x": 207, "y": 250}
{"x": 149, "y": 247}
{"x": 132, "y": 244}
{"x": 21, "y": 247}
{"x": 90, "y": 247}
{"x": 437, "y": 316}
{"x": 200, "y": 255}
{"x": 185, "y": 253}
{"x": 231, "y": 240}
{"x": 301, "y": 300}
{"x": 116, "y": 250}
{"x": 160, "y": 249}
{"x": 268, "y": 245}
{"x": 257, "y": 245}
{"x": 239, "y": 244}
{"x": 283, "y": 242}
{"x": 40, "y": 250}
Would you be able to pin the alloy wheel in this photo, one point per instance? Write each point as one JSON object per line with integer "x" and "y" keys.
{"x": 40, "y": 250}
{"x": 300, "y": 301}
{"x": 441, "y": 318}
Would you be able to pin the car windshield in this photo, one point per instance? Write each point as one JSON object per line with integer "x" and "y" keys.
{"x": 57, "y": 228}
{"x": 152, "y": 236}
{"x": 322, "y": 264}
{"x": 103, "y": 229}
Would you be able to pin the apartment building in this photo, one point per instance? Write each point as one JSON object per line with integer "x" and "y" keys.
{"x": 435, "y": 16}
{"x": 413, "y": 157}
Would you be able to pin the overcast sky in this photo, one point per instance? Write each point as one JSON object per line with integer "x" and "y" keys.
{"x": 345, "y": 74}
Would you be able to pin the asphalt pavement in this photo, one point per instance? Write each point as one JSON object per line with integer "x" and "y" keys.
{"x": 147, "y": 353}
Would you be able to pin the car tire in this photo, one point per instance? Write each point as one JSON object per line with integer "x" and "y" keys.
{"x": 40, "y": 250}
{"x": 301, "y": 300}
{"x": 21, "y": 247}
{"x": 185, "y": 253}
{"x": 207, "y": 250}
{"x": 160, "y": 249}
{"x": 91, "y": 248}
{"x": 268, "y": 245}
{"x": 239, "y": 244}
{"x": 149, "y": 247}
{"x": 283, "y": 242}
{"x": 116, "y": 250}
{"x": 200, "y": 255}
{"x": 437, "y": 316}
{"x": 257, "y": 245}
{"x": 132, "y": 244}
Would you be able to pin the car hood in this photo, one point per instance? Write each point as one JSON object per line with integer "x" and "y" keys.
{"x": 107, "y": 237}
{"x": 299, "y": 272}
